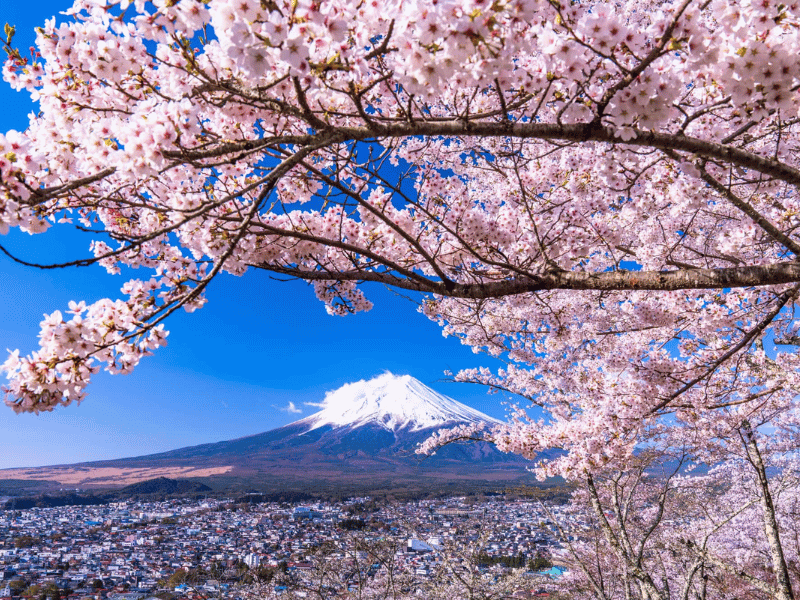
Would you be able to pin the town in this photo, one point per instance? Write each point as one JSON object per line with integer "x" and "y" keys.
{"x": 190, "y": 549}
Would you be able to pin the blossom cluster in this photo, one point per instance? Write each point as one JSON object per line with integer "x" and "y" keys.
{"x": 70, "y": 351}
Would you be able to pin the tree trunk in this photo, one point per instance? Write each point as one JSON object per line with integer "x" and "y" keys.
{"x": 782, "y": 579}
{"x": 634, "y": 571}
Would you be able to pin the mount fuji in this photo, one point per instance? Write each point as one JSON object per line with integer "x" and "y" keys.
{"x": 392, "y": 402}
{"x": 364, "y": 437}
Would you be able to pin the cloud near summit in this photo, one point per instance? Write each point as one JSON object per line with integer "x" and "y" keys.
{"x": 290, "y": 408}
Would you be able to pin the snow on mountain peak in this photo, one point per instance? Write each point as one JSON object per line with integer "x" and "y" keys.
{"x": 393, "y": 402}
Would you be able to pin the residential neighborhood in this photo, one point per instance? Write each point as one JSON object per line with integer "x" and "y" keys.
{"x": 188, "y": 549}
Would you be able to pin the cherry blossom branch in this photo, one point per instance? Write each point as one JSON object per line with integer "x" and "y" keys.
{"x": 654, "y": 54}
{"x": 746, "y": 339}
{"x": 580, "y": 132}
{"x": 692, "y": 279}
{"x": 48, "y": 193}
{"x": 747, "y": 209}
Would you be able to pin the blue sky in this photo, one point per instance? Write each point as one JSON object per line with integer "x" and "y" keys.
{"x": 228, "y": 369}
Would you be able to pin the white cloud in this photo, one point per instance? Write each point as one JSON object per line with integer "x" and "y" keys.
{"x": 290, "y": 408}
{"x": 315, "y": 404}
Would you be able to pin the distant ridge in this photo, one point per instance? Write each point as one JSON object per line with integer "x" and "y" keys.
{"x": 164, "y": 486}
{"x": 159, "y": 488}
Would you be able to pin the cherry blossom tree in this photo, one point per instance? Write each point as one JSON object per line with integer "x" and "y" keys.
{"x": 653, "y": 532}
{"x": 602, "y": 194}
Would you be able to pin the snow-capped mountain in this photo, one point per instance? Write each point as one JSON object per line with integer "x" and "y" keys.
{"x": 363, "y": 438}
{"x": 392, "y": 402}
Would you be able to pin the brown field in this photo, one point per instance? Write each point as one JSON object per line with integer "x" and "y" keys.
{"x": 107, "y": 476}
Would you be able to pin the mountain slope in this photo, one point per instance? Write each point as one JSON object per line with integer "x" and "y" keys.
{"x": 385, "y": 415}
{"x": 366, "y": 433}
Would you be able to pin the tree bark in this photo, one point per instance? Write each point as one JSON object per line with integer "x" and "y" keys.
{"x": 682, "y": 279}
{"x": 577, "y": 132}
{"x": 782, "y": 580}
